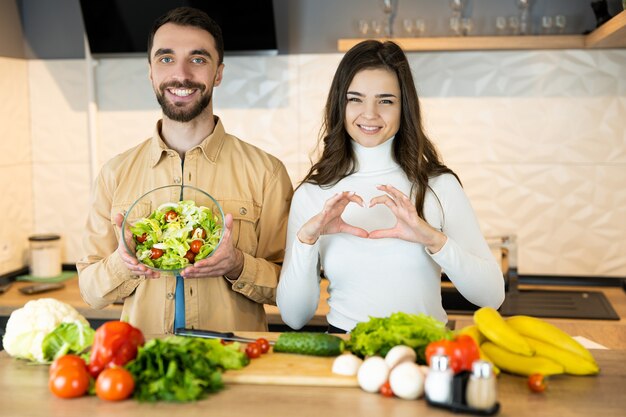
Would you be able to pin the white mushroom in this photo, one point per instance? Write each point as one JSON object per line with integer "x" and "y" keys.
{"x": 407, "y": 381}
{"x": 399, "y": 354}
{"x": 372, "y": 374}
{"x": 347, "y": 364}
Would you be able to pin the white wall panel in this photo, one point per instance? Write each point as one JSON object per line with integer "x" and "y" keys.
{"x": 538, "y": 137}
{"x": 61, "y": 181}
{"x": 15, "y": 164}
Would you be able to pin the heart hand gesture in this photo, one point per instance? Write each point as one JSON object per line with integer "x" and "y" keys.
{"x": 409, "y": 225}
{"x": 329, "y": 220}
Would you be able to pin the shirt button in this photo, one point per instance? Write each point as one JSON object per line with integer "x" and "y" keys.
{"x": 170, "y": 296}
{"x": 239, "y": 285}
{"x": 243, "y": 211}
{"x": 177, "y": 180}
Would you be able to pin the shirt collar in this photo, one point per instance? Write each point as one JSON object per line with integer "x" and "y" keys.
{"x": 210, "y": 146}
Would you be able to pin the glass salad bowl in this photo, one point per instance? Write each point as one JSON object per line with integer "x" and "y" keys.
{"x": 172, "y": 227}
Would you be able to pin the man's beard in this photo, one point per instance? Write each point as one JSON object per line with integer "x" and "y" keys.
{"x": 175, "y": 111}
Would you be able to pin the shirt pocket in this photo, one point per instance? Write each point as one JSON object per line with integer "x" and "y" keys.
{"x": 245, "y": 219}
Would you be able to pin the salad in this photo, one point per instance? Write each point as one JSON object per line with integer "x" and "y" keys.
{"x": 176, "y": 235}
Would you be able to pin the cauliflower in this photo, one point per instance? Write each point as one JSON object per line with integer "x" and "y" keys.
{"x": 28, "y": 326}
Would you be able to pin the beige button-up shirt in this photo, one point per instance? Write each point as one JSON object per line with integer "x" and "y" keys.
{"x": 248, "y": 183}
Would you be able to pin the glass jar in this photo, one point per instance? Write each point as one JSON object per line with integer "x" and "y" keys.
{"x": 45, "y": 255}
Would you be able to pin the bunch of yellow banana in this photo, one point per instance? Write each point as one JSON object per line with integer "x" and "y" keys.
{"x": 525, "y": 345}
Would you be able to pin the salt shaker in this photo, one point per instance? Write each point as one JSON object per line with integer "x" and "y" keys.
{"x": 481, "y": 392}
{"x": 438, "y": 385}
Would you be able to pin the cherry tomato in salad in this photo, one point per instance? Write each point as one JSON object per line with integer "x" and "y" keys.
{"x": 199, "y": 232}
{"x": 537, "y": 383}
{"x": 69, "y": 382}
{"x": 65, "y": 361}
{"x": 191, "y": 257}
{"x": 253, "y": 350}
{"x": 142, "y": 238}
{"x": 170, "y": 216}
{"x": 196, "y": 245}
{"x": 114, "y": 384}
{"x": 385, "y": 390}
{"x": 264, "y": 345}
{"x": 156, "y": 253}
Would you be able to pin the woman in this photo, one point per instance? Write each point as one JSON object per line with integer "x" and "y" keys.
{"x": 392, "y": 215}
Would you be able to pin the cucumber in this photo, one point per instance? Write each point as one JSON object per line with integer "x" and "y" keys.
{"x": 303, "y": 343}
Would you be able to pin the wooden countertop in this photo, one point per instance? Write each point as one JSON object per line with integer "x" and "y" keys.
{"x": 24, "y": 392}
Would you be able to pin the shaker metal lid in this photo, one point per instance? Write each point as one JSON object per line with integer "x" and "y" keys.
{"x": 482, "y": 369}
{"x": 439, "y": 362}
{"x": 43, "y": 237}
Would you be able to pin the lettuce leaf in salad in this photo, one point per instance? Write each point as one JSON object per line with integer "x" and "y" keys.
{"x": 174, "y": 237}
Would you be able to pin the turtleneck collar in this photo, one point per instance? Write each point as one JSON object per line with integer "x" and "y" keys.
{"x": 376, "y": 159}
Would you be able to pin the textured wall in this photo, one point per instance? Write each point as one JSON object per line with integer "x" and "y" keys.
{"x": 16, "y": 191}
{"x": 538, "y": 138}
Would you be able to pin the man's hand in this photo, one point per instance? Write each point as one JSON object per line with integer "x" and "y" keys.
{"x": 409, "y": 225}
{"x": 227, "y": 260}
{"x": 329, "y": 220}
{"x": 131, "y": 262}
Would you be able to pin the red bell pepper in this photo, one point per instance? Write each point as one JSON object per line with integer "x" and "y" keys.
{"x": 115, "y": 344}
{"x": 462, "y": 351}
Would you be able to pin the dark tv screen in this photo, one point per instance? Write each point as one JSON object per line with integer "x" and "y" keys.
{"x": 122, "y": 26}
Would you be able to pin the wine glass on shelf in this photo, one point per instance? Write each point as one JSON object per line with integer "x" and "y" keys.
{"x": 364, "y": 27}
{"x": 467, "y": 24}
{"x": 501, "y": 25}
{"x": 560, "y": 21}
{"x": 514, "y": 25}
{"x": 377, "y": 27}
{"x": 407, "y": 24}
{"x": 455, "y": 26}
{"x": 420, "y": 27}
{"x": 546, "y": 24}
{"x": 524, "y": 16}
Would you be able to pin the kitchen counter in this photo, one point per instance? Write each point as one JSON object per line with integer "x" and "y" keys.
{"x": 610, "y": 333}
{"x": 24, "y": 392}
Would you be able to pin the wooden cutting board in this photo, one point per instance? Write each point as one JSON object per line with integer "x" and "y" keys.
{"x": 289, "y": 369}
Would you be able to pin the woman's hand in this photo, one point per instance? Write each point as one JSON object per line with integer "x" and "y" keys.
{"x": 409, "y": 225}
{"x": 329, "y": 220}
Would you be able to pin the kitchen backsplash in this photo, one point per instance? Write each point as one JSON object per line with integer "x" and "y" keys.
{"x": 537, "y": 137}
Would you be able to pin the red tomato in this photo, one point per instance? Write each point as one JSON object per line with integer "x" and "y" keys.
{"x": 65, "y": 361}
{"x": 263, "y": 344}
{"x": 69, "y": 382}
{"x": 170, "y": 216}
{"x": 537, "y": 383}
{"x": 114, "y": 384}
{"x": 253, "y": 350}
{"x": 156, "y": 253}
{"x": 462, "y": 352}
{"x": 191, "y": 257}
{"x": 385, "y": 390}
{"x": 141, "y": 238}
{"x": 199, "y": 232}
{"x": 196, "y": 245}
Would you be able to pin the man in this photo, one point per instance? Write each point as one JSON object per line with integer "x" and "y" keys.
{"x": 227, "y": 290}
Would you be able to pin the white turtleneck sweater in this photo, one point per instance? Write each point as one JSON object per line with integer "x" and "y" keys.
{"x": 377, "y": 277}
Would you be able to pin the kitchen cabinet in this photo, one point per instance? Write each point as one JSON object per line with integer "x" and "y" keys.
{"x": 610, "y": 35}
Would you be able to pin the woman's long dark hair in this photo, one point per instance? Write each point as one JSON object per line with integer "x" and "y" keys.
{"x": 412, "y": 150}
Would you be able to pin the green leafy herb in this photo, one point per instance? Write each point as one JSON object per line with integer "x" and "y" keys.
{"x": 378, "y": 335}
{"x": 67, "y": 338}
{"x": 181, "y": 369}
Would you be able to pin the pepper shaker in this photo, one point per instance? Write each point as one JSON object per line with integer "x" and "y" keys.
{"x": 481, "y": 392}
